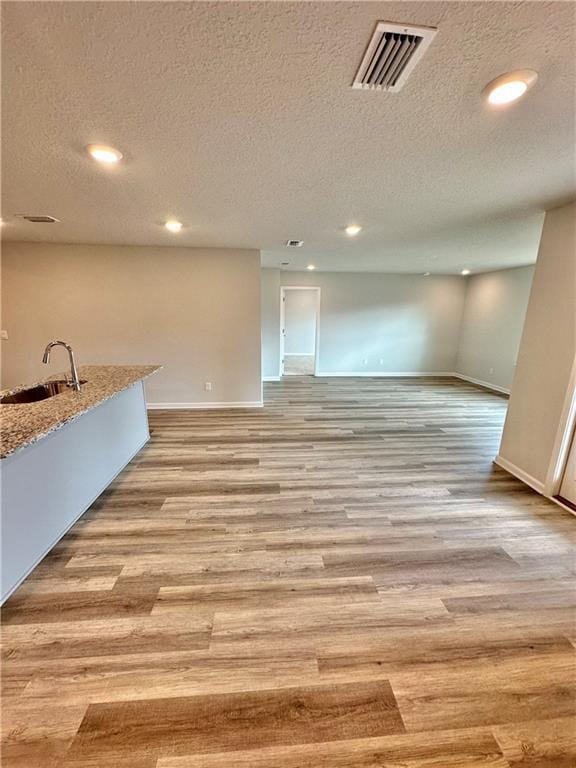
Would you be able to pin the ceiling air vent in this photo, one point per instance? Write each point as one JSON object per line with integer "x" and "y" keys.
{"x": 391, "y": 55}
{"x": 294, "y": 243}
{"x": 37, "y": 219}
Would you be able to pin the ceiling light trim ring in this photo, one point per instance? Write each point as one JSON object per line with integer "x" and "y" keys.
{"x": 509, "y": 87}
{"x": 104, "y": 154}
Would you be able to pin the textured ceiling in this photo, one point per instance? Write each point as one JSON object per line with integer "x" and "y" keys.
{"x": 239, "y": 120}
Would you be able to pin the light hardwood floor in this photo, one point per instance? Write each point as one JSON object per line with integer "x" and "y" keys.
{"x": 341, "y": 579}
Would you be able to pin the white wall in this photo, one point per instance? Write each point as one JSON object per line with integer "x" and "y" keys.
{"x": 494, "y": 312}
{"x": 195, "y": 311}
{"x": 270, "y": 323}
{"x": 300, "y": 322}
{"x": 375, "y": 322}
{"x": 547, "y": 353}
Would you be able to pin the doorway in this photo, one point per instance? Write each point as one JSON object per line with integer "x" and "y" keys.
{"x": 561, "y": 478}
{"x": 568, "y": 486}
{"x": 299, "y": 325}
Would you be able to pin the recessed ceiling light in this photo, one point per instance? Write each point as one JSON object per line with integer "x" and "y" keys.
{"x": 352, "y": 229}
{"x": 310, "y": 267}
{"x": 465, "y": 272}
{"x": 173, "y": 225}
{"x": 510, "y": 87}
{"x": 103, "y": 154}
{"x": 426, "y": 274}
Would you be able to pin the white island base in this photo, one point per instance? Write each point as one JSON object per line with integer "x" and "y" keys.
{"x": 48, "y": 485}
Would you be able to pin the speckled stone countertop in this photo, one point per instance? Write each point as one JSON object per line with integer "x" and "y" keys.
{"x": 25, "y": 423}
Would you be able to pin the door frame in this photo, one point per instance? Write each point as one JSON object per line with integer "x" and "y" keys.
{"x": 283, "y": 289}
{"x": 565, "y": 435}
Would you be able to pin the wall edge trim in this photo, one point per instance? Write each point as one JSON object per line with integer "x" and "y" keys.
{"x": 520, "y": 474}
{"x": 203, "y": 406}
{"x": 481, "y": 383}
{"x": 384, "y": 375}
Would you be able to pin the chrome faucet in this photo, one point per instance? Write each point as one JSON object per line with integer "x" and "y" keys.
{"x": 75, "y": 382}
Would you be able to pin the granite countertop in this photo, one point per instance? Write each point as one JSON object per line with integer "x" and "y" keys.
{"x": 25, "y": 423}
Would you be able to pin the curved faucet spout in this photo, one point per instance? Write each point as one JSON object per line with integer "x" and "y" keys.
{"x": 75, "y": 382}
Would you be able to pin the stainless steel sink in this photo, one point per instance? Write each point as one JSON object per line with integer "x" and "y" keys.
{"x": 40, "y": 392}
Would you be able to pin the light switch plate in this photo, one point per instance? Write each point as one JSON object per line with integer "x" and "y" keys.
{"x": 3, "y": 334}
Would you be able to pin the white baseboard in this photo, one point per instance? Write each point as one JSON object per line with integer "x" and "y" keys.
{"x": 480, "y": 383}
{"x": 560, "y": 503}
{"x": 299, "y": 354}
{"x": 403, "y": 375}
{"x": 202, "y": 406}
{"x": 384, "y": 374}
{"x": 535, "y": 484}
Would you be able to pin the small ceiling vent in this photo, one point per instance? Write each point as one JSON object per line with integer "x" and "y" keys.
{"x": 37, "y": 219}
{"x": 294, "y": 243}
{"x": 391, "y": 55}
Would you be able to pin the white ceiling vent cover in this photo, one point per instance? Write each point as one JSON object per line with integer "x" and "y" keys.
{"x": 391, "y": 55}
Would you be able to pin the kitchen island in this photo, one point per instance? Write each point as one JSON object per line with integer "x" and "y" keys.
{"x": 59, "y": 454}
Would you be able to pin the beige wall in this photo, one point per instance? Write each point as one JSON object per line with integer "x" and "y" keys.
{"x": 494, "y": 312}
{"x": 195, "y": 311}
{"x": 374, "y": 323}
{"x": 547, "y": 352}
{"x": 270, "y": 323}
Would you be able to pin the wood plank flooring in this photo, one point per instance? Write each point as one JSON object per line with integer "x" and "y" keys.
{"x": 341, "y": 579}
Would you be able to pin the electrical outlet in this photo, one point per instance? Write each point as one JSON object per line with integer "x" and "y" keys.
{"x": 208, "y": 386}
{"x": 381, "y": 361}
{"x": 365, "y": 361}
{"x": 491, "y": 370}
{"x": 3, "y": 334}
